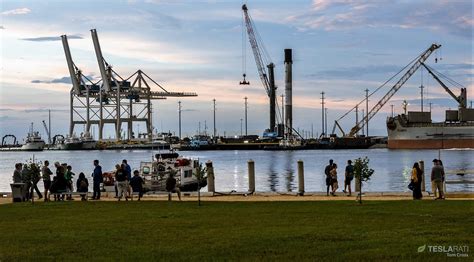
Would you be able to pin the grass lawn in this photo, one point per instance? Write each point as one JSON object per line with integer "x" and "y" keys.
{"x": 326, "y": 230}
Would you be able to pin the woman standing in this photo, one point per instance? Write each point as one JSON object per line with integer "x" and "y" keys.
{"x": 416, "y": 179}
{"x": 333, "y": 174}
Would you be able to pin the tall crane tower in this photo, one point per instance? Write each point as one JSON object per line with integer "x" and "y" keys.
{"x": 416, "y": 64}
{"x": 259, "y": 53}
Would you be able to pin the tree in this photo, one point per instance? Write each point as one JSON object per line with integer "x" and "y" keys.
{"x": 362, "y": 172}
{"x": 199, "y": 174}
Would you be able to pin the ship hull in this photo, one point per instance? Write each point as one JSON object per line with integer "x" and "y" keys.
{"x": 430, "y": 143}
{"x": 429, "y": 135}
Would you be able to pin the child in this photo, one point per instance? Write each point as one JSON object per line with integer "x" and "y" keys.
{"x": 82, "y": 185}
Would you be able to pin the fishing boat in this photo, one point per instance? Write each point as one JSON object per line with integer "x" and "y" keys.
{"x": 33, "y": 141}
{"x": 88, "y": 142}
{"x": 184, "y": 169}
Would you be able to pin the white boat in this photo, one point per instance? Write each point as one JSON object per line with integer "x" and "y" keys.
{"x": 71, "y": 143}
{"x": 88, "y": 141}
{"x": 155, "y": 173}
{"x": 33, "y": 141}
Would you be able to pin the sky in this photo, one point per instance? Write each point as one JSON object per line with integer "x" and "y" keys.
{"x": 341, "y": 47}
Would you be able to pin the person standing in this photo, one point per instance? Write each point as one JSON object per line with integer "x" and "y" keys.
{"x": 327, "y": 171}
{"x": 349, "y": 176}
{"x": 46, "y": 174}
{"x": 121, "y": 179}
{"x": 69, "y": 176}
{"x": 416, "y": 179}
{"x": 333, "y": 174}
{"x": 437, "y": 177}
{"x": 82, "y": 186}
{"x": 26, "y": 178}
{"x": 17, "y": 173}
{"x": 137, "y": 184}
{"x": 128, "y": 172}
{"x": 171, "y": 186}
{"x": 97, "y": 179}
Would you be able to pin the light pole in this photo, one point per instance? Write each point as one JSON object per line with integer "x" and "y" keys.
{"x": 367, "y": 110}
{"x": 179, "y": 119}
{"x": 245, "y": 98}
{"x": 214, "y": 101}
{"x": 322, "y": 114}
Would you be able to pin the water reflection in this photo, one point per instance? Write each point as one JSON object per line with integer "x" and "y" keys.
{"x": 273, "y": 174}
{"x": 289, "y": 171}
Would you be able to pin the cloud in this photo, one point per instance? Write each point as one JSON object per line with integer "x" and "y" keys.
{"x": 453, "y": 17}
{"x": 2, "y": 27}
{"x": 51, "y": 38}
{"x": 18, "y": 11}
{"x": 42, "y": 110}
{"x": 353, "y": 72}
{"x": 62, "y": 80}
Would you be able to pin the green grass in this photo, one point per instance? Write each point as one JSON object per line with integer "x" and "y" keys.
{"x": 249, "y": 231}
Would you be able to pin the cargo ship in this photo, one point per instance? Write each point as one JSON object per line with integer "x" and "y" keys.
{"x": 416, "y": 130}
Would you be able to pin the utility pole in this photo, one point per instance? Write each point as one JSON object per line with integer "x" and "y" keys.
{"x": 179, "y": 119}
{"x": 367, "y": 110}
{"x": 312, "y": 134}
{"x": 421, "y": 92}
{"x": 245, "y": 98}
{"x": 49, "y": 126}
{"x": 357, "y": 117}
{"x": 325, "y": 121}
{"x": 241, "y": 127}
{"x": 392, "y": 109}
{"x": 283, "y": 113}
{"x": 214, "y": 105}
{"x": 199, "y": 128}
{"x": 363, "y": 118}
{"x": 431, "y": 103}
{"x": 323, "y": 133}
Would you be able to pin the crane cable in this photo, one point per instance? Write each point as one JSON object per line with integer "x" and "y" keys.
{"x": 378, "y": 88}
{"x": 244, "y": 47}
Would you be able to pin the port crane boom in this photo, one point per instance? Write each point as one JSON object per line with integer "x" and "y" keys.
{"x": 422, "y": 58}
{"x": 462, "y": 99}
{"x": 268, "y": 81}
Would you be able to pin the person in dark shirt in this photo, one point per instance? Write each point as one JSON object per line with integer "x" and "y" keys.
{"x": 97, "y": 178}
{"x": 171, "y": 185}
{"x": 349, "y": 176}
{"x": 327, "y": 171}
{"x": 137, "y": 184}
{"x": 82, "y": 185}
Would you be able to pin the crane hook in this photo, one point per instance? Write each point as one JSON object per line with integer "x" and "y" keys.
{"x": 244, "y": 82}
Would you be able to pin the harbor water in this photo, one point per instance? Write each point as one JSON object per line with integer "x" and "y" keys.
{"x": 275, "y": 170}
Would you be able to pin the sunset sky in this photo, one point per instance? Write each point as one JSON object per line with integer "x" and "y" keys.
{"x": 340, "y": 47}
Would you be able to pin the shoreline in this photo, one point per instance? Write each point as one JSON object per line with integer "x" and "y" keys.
{"x": 5, "y": 197}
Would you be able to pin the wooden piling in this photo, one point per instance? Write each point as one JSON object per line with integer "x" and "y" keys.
{"x": 300, "y": 177}
{"x": 251, "y": 172}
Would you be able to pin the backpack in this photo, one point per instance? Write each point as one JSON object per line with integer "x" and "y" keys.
{"x": 83, "y": 184}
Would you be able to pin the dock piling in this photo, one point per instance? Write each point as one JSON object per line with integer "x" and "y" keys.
{"x": 210, "y": 177}
{"x": 300, "y": 177}
{"x": 251, "y": 170}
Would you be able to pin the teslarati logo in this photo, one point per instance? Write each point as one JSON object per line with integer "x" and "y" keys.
{"x": 450, "y": 251}
{"x": 421, "y": 249}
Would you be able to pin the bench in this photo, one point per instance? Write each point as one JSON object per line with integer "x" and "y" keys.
{"x": 72, "y": 194}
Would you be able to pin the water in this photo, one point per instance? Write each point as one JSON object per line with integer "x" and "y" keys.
{"x": 275, "y": 170}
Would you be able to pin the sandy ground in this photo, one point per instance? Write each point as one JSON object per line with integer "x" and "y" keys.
{"x": 262, "y": 197}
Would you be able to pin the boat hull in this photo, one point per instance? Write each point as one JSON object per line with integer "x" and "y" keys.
{"x": 430, "y": 143}
{"x": 429, "y": 135}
